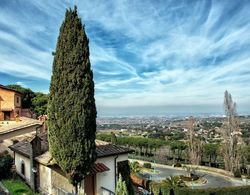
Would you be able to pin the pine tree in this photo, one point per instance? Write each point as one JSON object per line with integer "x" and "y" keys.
{"x": 71, "y": 107}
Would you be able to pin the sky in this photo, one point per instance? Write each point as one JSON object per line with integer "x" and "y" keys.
{"x": 148, "y": 57}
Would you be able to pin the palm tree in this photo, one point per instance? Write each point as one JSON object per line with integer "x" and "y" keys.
{"x": 135, "y": 167}
{"x": 174, "y": 183}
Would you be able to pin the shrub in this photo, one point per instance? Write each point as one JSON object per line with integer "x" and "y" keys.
{"x": 6, "y": 162}
{"x": 147, "y": 165}
{"x": 232, "y": 190}
{"x": 177, "y": 164}
{"x": 158, "y": 188}
{"x": 237, "y": 173}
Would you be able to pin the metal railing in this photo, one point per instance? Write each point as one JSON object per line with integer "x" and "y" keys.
{"x": 106, "y": 191}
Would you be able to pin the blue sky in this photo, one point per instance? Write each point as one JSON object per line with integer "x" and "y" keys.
{"x": 147, "y": 56}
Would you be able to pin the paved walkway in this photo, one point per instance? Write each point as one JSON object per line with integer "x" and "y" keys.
{"x": 6, "y": 126}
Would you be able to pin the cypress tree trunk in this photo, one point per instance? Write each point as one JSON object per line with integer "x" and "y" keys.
{"x": 71, "y": 107}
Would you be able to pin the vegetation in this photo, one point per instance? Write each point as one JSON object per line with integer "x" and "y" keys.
{"x": 36, "y": 101}
{"x": 71, "y": 106}
{"x": 135, "y": 167}
{"x": 143, "y": 146}
{"x": 124, "y": 171}
{"x": 17, "y": 187}
{"x": 177, "y": 147}
{"x": 39, "y": 103}
{"x": 231, "y": 148}
{"x": 121, "y": 188}
{"x": 27, "y": 95}
{"x": 147, "y": 165}
{"x": 233, "y": 190}
{"x": 194, "y": 144}
{"x": 6, "y": 162}
{"x": 167, "y": 186}
{"x": 211, "y": 152}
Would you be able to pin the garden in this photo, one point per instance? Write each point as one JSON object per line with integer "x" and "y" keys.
{"x": 10, "y": 183}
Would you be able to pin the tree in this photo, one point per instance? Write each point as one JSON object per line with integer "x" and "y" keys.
{"x": 174, "y": 182}
{"x": 135, "y": 167}
{"x": 6, "y": 162}
{"x": 231, "y": 148}
{"x": 211, "y": 151}
{"x": 194, "y": 144}
{"x": 113, "y": 138}
{"x": 27, "y": 95}
{"x": 178, "y": 146}
{"x": 39, "y": 103}
{"x": 121, "y": 188}
{"x": 71, "y": 106}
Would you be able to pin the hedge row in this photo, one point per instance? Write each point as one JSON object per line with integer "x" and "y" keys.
{"x": 164, "y": 189}
{"x": 232, "y": 190}
{"x": 160, "y": 188}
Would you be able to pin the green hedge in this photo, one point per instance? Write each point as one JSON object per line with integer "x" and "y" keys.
{"x": 147, "y": 165}
{"x": 233, "y": 190}
{"x": 157, "y": 187}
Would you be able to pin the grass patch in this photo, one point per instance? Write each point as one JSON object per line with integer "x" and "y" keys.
{"x": 17, "y": 187}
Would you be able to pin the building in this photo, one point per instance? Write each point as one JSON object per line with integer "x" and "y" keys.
{"x": 36, "y": 166}
{"x": 10, "y": 103}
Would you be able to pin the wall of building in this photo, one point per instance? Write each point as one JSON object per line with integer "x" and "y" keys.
{"x": 17, "y": 100}
{"x": 12, "y": 133}
{"x": 18, "y": 161}
{"x": 53, "y": 179}
{"x": 45, "y": 185}
{"x": 61, "y": 183}
{"x": 10, "y": 100}
{"x": 107, "y": 179}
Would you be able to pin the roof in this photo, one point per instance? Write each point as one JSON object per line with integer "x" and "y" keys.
{"x": 99, "y": 168}
{"x": 7, "y": 88}
{"x": 103, "y": 149}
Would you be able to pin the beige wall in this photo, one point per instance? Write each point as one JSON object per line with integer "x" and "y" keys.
{"x": 10, "y": 100}
{"x": 45, "y": 179}
{"x": 59, "y": 181}
{"x": 107, "y": 179}
{"x": 17, "y": 100}
{"x": 18, "y": 132}
{"x": 18, "y": 160}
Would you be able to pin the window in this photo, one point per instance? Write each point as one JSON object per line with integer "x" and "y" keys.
{"x": 23, "y": 168}
{"x": 17, "y": 100}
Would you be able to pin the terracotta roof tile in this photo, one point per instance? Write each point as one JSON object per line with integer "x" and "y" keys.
{"x": 103, "y": 149}
{"x": 99, "y": 168}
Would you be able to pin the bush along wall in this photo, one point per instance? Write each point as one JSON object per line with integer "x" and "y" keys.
{"x": 159, "y": 188}
{"x": 232, "y": 190}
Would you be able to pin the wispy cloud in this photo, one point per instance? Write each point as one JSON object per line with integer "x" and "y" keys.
{"x": 142, "y": 52}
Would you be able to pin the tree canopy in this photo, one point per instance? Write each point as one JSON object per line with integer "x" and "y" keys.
{"x": 71, "y": 106}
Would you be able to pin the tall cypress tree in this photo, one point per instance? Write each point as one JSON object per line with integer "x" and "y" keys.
{"x": 71, "y": 107}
